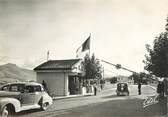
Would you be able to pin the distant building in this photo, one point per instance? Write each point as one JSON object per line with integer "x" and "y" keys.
{"x": 62, "y": 77}
{"x": 124, "y": 79}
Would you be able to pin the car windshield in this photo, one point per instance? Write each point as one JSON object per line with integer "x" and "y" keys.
{"x": 122, "y": 85}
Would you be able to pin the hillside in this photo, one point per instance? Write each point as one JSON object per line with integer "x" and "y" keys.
{"x": 11, "y": 72}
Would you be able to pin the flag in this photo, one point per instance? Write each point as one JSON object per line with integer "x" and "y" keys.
{"x": 86, "y": 45}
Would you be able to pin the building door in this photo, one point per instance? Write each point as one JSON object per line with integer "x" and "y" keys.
{"x": 73, "y": 86}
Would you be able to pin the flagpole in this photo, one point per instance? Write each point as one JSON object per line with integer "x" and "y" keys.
{"x": 78, "y": 50}
{"x": 90, "y": 45}
{"x": 48, "y": 55}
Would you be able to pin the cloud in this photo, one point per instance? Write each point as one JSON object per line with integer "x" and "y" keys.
{"x": 120, "y": 29}
{"x": 31, "y": 63}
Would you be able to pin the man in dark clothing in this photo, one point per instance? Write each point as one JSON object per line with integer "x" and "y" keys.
{"x": 160, "y": 89}
{"x": 139, "y": 88}
{"x": 44, "y": 85}
{"x": 95, "y": 90}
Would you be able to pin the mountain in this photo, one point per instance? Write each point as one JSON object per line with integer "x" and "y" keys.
{"x": 11, "y": 72}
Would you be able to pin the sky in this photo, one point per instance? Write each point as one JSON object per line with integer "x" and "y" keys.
{"x": 119, "y": 30}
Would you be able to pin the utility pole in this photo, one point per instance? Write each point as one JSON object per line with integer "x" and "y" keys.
{"x": 103, "y": 72}
{"x": 48, "y": 53}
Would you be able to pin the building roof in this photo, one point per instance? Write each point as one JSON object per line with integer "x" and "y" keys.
{"x": 57, "y": 64}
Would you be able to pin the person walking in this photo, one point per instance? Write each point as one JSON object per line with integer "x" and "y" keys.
{"x": 95, "y": 90}
{"x": 139, "y": 88}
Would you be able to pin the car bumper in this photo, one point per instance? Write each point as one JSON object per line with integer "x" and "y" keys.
{"x": 122, "y": 93}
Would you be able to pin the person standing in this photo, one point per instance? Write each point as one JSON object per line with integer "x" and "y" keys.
{"x": 44, "y": 85}
{"x": 139, "y": 88}
{"x": 95, "y": 90}
{"x": 160, "y": 89}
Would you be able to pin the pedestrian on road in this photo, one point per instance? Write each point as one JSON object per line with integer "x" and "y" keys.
{"x": 160, "y": 89}
{"x": 95, "y": 90}
{"x": 139, "y": 88}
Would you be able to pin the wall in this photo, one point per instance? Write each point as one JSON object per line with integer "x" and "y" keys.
{"x": 56, "y": 82}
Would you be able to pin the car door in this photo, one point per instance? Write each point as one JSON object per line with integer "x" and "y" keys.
{"x": 28, "y": 96}
{"x": 38, "y": 94}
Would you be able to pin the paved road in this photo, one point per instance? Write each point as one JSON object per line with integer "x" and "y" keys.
{"x": 105, "y": 104}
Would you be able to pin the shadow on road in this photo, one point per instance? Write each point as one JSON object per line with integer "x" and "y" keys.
{"x": 27, "y": 112}
{"x": 110, "y": 96}
{"x": 37, "y": 112}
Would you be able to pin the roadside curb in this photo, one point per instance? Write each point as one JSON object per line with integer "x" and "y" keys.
{"x": 76, "y": 96}
{"x": 72, "y": 96}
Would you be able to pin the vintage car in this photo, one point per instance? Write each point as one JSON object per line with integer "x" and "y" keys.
{"x": 122, "y": 89}
{"x": 16, "y": 97}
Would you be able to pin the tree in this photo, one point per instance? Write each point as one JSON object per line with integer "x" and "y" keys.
{"x": 136, "y": 77}
{"x": 92, "y": 67}
{"x": 157, "y": 58}
{"x": 113, "y": 80}
{"x": 140, "y": 77}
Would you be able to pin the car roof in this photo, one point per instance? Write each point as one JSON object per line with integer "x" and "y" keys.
{"x": 24, "y": 83}
{"x": 123, "y": 83}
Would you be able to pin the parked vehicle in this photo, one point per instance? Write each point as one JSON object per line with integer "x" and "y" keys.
{"x": 122, "y": 89}
{"x": 16, "y": 97}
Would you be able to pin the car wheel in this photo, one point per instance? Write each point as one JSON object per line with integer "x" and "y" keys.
{"x": 44, "y": 106}
{"x": 5, "y": 112}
